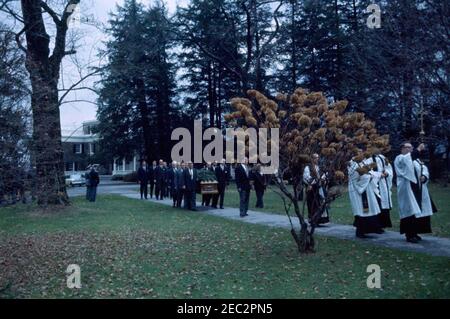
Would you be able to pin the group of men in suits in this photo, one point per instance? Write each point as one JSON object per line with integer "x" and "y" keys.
{"x": 157, "y": 176}
{"x": 222, "y": 174}
{"x": 179, "y": 182}
{"x": 245, "y": 177}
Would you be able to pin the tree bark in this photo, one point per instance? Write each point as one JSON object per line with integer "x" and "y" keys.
{"x": 44, "y": 76}
{"x": 305, "y": 238}
{"x": 50, "y": 183}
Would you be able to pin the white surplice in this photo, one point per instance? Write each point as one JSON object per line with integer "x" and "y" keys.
{"x": 385, "y": 183}
{"x": 357, "y": 185}
{"x": 407, "y": 205}
{"x": 426, "y": 208}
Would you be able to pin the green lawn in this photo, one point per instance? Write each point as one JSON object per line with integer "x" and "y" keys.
{"x": 132, "y": 249}
{"x": 341, "y": 211}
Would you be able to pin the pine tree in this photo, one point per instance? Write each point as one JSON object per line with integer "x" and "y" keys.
{"x": 14, "y": 116}
{"x": 135, "y": 111}
{"x": 208, "y": 37}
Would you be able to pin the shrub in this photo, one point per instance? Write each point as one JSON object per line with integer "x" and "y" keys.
{"x": 131, "y": 178}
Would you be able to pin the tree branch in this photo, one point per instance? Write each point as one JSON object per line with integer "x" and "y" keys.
{"x": 4, "y": 7}
{"x": 61, "y": 31}
{"x": 274, "y": 33}
{"x": 19, "y": 43}
{"x": 73, "y": 86}
{"x": 77, "y": 101}
{"x": 51, "y": 12}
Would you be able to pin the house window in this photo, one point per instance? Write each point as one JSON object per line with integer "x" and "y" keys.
{"x": 78, "y": 148}
{"x": 70, "y": 166}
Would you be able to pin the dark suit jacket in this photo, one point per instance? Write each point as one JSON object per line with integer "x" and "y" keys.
{"x": 170, "y": 174}
{"x": 222, "y": 175}
{"x": 94, "y": 178}
{"x": 178, "y": 180}
{"x": 259, "y": 181}
{"x": 242, "y": 179}
{"x": 190, "y": 183}
{"x": 160, "y": 175}
{"x": 151, "y": 174}
{"x": 143, "y": 175}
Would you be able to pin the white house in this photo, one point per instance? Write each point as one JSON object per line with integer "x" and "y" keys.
{"x": 81, "y": 144}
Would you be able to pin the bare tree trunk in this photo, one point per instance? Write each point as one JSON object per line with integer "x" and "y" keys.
{"x": 44, "y": 76}
{"x": 47, "y": 146}
{"x": 304, "y": 238}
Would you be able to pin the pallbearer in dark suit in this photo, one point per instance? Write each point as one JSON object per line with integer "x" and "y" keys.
{"x": 168, "y": 180}
{"x": 190, "y": 183}
{"x": 260, "y": 184}
{"x": 164, "y": 181}
{"x": 243, "y": 186}
{"x": 151, "y": 177}
{"x": 222, "y": 175}
{"x": 179, "y": 183}
{"x": 143, "y": 175}
{"x": 159, "y": 181}
{"x": 171, "y": 175}
{"x": 206, "y": 198}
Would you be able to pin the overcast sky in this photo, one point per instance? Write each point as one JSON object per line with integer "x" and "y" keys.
{"x": 90, "y": 40}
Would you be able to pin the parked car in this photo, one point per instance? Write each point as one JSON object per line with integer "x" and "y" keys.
{"x": 75, "y": 180}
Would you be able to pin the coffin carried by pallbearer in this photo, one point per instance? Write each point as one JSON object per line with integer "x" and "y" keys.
{"x": 207, "y": 182}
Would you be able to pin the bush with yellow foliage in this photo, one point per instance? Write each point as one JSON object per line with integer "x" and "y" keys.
{"x": 308, "y": 124}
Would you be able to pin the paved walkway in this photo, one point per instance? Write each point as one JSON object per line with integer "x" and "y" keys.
{"x": 429, "y": 245}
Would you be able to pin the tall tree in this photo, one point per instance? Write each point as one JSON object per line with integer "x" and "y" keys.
{"x": 208, "y": 82}
{"x": 43, "y": 61}
{"x": 161, "y": 77}
{"x": 400, "y": 69}
{"x": 137, "y": 86}
{"x": 14, "y": 117}
{"x": 249, "y": 28}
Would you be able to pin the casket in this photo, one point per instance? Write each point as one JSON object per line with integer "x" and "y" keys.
{"x": 210, "y": 187}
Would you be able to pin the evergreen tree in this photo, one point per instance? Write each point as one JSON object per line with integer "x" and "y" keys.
{"x": 136, "y": 113}
{"x": 238, "y": 36}
{"x": 210, "y": 49}
{"x": 14, "y": 115}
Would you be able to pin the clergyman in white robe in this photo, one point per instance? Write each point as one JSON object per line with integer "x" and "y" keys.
{"x": 385, "y": 188}
{"x": 423, "y": 198}
{"x": 411, "y": 179}
{"x": 362, "y": 191}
